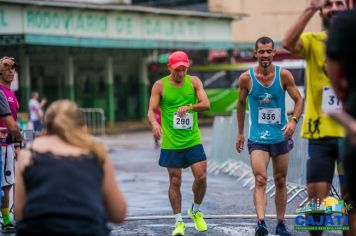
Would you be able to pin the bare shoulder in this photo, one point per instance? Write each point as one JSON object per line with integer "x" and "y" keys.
{"x": 55, "y": 145}
{"x": 244, "y": 79}
{"x": 286, "y": 75}
{"x": 158, "y": 85}
{"x": 195, "y": 80}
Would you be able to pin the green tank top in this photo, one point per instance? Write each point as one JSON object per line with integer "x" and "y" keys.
{"x": 174, "y": 97}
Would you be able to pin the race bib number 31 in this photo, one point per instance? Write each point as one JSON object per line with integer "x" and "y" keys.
{"x": 330, "y": 102}
{"x": 269, "y": 115}
{"x": 185, "y": 122}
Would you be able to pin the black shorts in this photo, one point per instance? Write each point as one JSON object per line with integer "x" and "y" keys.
{"x": 274, "y": 150}
{"x": 322, "y": 155}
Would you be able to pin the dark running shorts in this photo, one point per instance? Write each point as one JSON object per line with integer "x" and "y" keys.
{"x": 273, "y": 149}
{"x": 322, "y": 155}
{"x": 182, "y": 158}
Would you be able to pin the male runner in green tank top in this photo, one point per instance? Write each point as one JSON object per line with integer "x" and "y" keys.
{"x": 180, "y": 97}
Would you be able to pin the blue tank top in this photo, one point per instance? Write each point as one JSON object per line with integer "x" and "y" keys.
{"x": 267, "y": 110}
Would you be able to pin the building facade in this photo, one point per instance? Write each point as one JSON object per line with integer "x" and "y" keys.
{"x": 98, "y": 54}
{"x": 270, "y": 18}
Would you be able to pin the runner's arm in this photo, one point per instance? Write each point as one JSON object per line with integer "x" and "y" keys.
{"x": 154, "y": 101}
{"x": 203, "y": 101}
{"x": 289, "y": 84}
{"x": 293, "y": 92}
{"x": 291, "y": 40}
{"x": 244, "y": 84}
{"x": 156, "y": 93}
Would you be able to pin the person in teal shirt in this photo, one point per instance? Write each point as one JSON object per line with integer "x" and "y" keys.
{"x": 180, "y": 97}
{"x": 270, "y": 131}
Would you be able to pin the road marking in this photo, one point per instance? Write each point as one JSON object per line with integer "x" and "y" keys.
{"x": 226, "y": 216}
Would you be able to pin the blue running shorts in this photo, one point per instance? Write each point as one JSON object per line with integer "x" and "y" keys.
{"x": 182, "y": 158}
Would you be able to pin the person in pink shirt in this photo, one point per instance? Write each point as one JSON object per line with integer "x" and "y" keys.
{"x": 8, "y": 148}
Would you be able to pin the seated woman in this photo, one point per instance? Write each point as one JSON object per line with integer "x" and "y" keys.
{"x": 66, "y": 181}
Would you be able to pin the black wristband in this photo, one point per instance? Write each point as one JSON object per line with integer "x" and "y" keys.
{"x": 295, "y": 119}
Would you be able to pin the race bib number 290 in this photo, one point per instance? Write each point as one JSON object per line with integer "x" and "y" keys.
{"x": 269, "y": 115}
{"x": 185, "y": 122}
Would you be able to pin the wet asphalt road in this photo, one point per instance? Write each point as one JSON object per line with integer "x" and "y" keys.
{"x": 227, "y": 205}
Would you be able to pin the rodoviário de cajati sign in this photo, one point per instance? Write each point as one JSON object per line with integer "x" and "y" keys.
{"x": 60, "y": 20}
{"x": 110, "y": 24}
{"x": 101, "y": 23}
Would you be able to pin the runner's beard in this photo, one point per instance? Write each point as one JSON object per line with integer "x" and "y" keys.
{"x": 327, "y": 20}
{"x": 265, "y": 63}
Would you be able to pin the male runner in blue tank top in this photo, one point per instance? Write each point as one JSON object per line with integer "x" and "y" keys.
{"x": 270, "y": 131}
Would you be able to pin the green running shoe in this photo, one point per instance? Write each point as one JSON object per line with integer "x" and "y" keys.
{"x": 198, "y": 219}
{"x": 179, "y": 229}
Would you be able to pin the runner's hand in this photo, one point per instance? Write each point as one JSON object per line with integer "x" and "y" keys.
{"x": 240, "y": 143}
{"x": 316, "y": 4}
{"x": 156, "y": 130}
{"x": 183, "y": 110}
{"x": 289, "y": 129}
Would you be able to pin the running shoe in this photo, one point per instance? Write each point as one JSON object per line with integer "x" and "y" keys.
{"x": 261, "y": 229}
{"x": 281, "y": 229}
{"x": 179, "y": 229}
{"x": 9, "y": 228}
{"x": 198, "y": 219}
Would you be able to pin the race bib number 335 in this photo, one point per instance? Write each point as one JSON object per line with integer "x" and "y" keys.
{"x": 269, "y": 115}
{"x": 185, "y": 122}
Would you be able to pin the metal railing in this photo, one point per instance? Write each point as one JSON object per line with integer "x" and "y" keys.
{"x": 245, "y": 177}
{"x": 94, "y": 118}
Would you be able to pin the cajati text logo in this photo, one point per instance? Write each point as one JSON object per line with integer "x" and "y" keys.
{"x": 328, "y": 214}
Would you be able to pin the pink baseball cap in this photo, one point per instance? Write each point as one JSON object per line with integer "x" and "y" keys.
{"x": 178, "y": 58}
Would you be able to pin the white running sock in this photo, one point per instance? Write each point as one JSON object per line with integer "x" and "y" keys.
{"x": 178, "y": 217}
{"x": 195, "y": 207}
